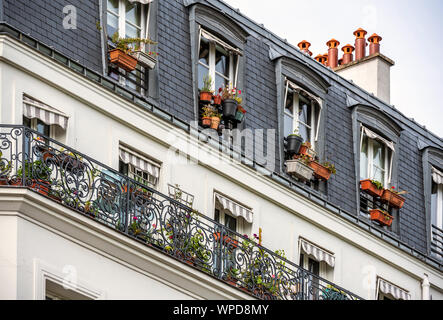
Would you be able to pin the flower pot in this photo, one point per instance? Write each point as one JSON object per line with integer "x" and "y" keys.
{"x": 206, "y": 122}
{"x": 217, "y": 100}
{"x": 123, "y": 60}
{"x": 381, "y": 218}
{"x": 299, "y": 169}
{"x": 229, "y": 108}
{"x": 46, "y": 153}
{"x": 144, "y": 59}
{"x": 393, "y": 199}
{"x": 205, "y": 96}
{"x": 215, "y": 121}
{"x": 306, "y": 150}
{"x": 320, "y": 171}
{"x": 370, "y": 188}
{"x": 239, "y": 116}
{"x": 41, "y": 186}
{"x": 227, "y": 241}
{"x": 293, "y": 144}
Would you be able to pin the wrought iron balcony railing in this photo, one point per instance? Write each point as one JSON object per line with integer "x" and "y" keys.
{"x": 28, "y": 159}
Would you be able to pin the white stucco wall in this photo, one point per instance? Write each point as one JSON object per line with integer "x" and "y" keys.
{"x": 99, "y": 121}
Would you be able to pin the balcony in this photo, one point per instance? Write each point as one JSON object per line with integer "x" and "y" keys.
{"x": 30, "y": 160}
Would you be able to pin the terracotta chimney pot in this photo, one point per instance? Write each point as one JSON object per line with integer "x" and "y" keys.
{"x": 325, "y": 57}
{"x": 333, "y": 53}
{"x": 360, "y": 43}
{"x": 304, "y": 46}
{"x": 347, "y": 53}
{"x": 374, "y": 44}
{"x": 319, "y": 58}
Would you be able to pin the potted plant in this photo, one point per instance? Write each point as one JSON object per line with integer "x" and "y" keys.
{"x": 227, "y": 241}
{"x": 230, "y": 102}
{"x": 293, "y": 143}
{"x": 324, "y": 171}
{"x": 208, "y": 111}
{"x": 5, "y": 170}
{"x": 70, "y": 161}
{"x": 332, "y": 293}
{"x": 300, "y": 168}
{"x": 37, "y": 176}
{"x": 240, "y": 114}
{"x": 206, "y": 92}
{"x": 215, "y": 120}
{"x": 393, "y": 198}
{"x": 372, "y": 187}
{"x": 306, "y": 149}
{"x": 218, "y": 97}
{"x": 381, "y": 216}
{"x": 232, "y": 276}
{"x": 122, "y": 54}
{"x": 146, "y": 59}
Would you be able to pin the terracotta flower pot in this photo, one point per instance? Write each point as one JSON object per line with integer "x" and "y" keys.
{"x": 370, "y": 188}
{"x": 380, "y": 217}
{"x": 320, "y": 171}
{"x": 215, "y": 121}
{"x": 227, "y": 241}
{"x": 41, "y": 186}
{"x": 306, "y": 150}
{"x": 123, "y": 60}
{"x": 217, "y": 100}
{"x": 393, "y": 199}
{"x": 205, "y": 96}
{"x": 206, "y": 122}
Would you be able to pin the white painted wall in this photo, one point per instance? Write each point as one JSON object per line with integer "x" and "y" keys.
{"x": 99, "y": 120}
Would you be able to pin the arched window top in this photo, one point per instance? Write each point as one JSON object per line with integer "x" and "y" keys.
{"x": 305, "y": 76}
{"x": 217, "y": 23}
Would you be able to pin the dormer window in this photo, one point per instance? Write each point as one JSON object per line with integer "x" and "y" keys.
{"x": 376, "y": 157}
{"x": 217, "y": 59}
{"x": 302, "y": 113}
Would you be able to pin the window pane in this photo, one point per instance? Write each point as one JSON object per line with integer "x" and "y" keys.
{"x": 220, "y": 81}
{"x": 288, "y": 125}
{"x": 113, "y": 6}
{"x": 112, "y": 26}
{"x": 378, "y": 161}
{"x": 222, "y": 61}
{"x": 132, "y": 32}
{"x": 304, "y": 131}
{"x": 304, "y": 112}
{"x": 42, "y": 128}
{"x": 230, "y": 222}
{"x": 364, "y": 159}
{"x": 204, "y": 51}
{"x": 289, "y": 107}
{"x": 202, "y": 72}
{"x": 133, "y": 13}
{"x": 434, "y": 199}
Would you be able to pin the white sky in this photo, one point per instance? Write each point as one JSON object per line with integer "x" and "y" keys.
{"x": 412, "y": 32}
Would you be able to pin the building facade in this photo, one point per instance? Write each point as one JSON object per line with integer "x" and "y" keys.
{"x": 113, "y": 187}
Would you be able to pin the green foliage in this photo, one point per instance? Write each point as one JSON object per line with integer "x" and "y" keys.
{"x": 330, "y": 167}
{"x": 378, "y": 184}
{"x": 129, "y": 44}
{"x": 35, "y": 170}
{"x": 207, "y": 84}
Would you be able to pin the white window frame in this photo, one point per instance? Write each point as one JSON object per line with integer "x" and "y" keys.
{"x": 295, "y": 116}
{"x": 233, "y": 73}
{"x": 439, "y": 206}
{"x": 370, "y": 161}
{"x": 34, "y": 123}
{"x": 132, "y": 173}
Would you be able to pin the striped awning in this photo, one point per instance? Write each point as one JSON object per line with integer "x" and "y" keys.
{"x": 318, "y": 253}
{"x": 141, "y": 1}
{"x": 391, "y": 289}
{"x": 139, "y": 162}
{"x": 437, "y": 176}
{"x": 35, "y": 109}
{"x": 234, "y": 208}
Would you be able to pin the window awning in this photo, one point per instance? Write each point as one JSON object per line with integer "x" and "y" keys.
{"x": 141, "y": 1}
{"x": 375, "y": 136}
{"x": 318, "y": 253}
{"x": 139, "y": 162}
{"x": 391, "y": 289}
{"x": 227, "y": 47}
{"x": 35, "y": 109}
{"x": 437, "y": 176}
{"x": 236, "y": 209}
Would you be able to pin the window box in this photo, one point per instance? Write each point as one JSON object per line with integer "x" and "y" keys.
{"x": 144, "y": 59}
{"x": 306, "y": 149}
{"x": 299, "y": 169}
{"x": 393, "y": 199}
{"x": 123, "y": 60}
{"x": 320, "y": 171}
{"x": 381, "y": 217}
{"x": 371, "y": 188}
